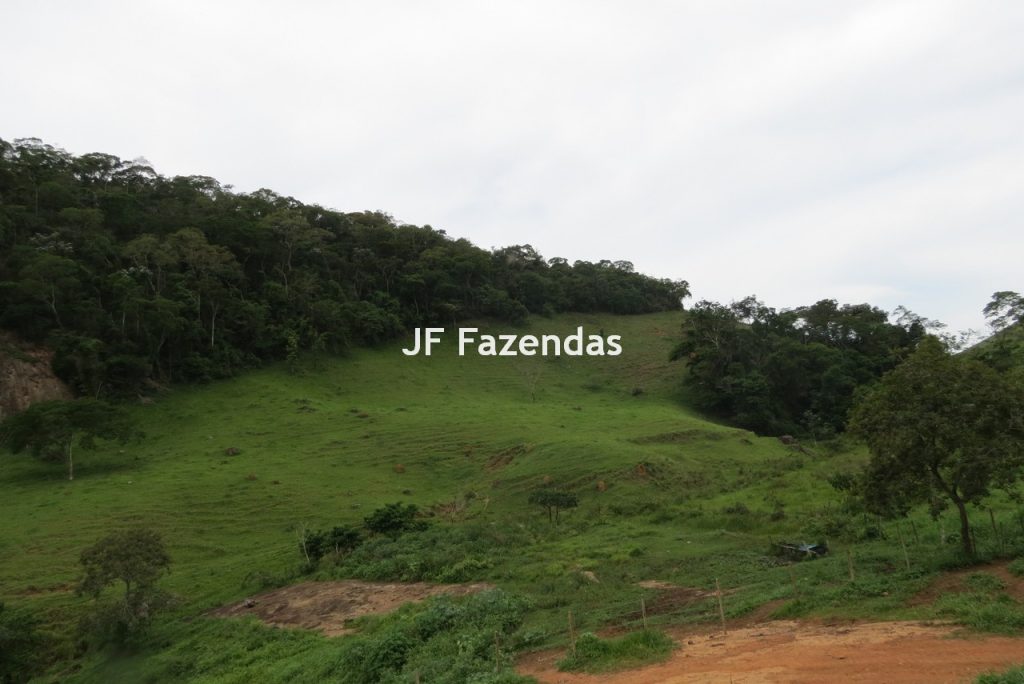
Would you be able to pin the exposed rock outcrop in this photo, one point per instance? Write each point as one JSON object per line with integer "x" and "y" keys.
{"x": 26, "y": 376}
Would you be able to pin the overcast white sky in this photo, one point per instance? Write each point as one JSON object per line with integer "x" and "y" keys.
{"x": 864, "y": 151}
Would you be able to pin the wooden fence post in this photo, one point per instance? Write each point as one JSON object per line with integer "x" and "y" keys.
{"x": 572, "y": 634}
{"x": 906, "y": 556}
{"x": 721, "y": 608}
{"x": 995, "y": 529}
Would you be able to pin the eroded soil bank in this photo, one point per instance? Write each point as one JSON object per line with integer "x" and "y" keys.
{"x": 328, "y": 607}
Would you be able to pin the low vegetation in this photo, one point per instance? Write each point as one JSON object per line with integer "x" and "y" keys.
{"x": 591, "y": 653}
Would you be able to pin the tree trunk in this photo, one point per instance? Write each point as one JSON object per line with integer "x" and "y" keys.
{"x": 71, "y": 461}
{"x": 950, "y": 490}
{"x": 965, "y": 527}
{"x": 53, "y": 306}
{"x": 213, "y": 325}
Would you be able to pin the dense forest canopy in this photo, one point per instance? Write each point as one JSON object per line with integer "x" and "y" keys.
{"x": 794, "y": 370}
{"x": 132, "y": 276}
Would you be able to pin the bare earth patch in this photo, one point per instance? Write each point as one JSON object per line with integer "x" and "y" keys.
{"x": 797, "y": 652}
{"x": 328, "y": 606}
{"x": 955, "y": 582}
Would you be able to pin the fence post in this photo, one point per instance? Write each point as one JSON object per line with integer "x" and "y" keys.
{"x": 906, "y": 556}
{"x": 572, "y": 634}
{"x": 721, "y": 608}
{"x": 995, "y": 529}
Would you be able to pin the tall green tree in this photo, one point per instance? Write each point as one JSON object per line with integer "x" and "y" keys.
{"x": 941, "y": 429}
{"x": 51, "y": 430}
{"x": 136, "y": 559}
{"x": 1005, "y": 309}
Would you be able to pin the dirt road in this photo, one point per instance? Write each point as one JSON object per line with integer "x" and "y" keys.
{"x": 787, "y": 651}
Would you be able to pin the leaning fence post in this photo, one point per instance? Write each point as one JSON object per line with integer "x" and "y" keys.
{"x": 995, "y": 529}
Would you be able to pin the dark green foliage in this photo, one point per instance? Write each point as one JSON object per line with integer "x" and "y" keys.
{"x": 394, "y": 519}
{"x": 132, "y": 276}
{"x": 21, "y": 645}
{"x": 553, "y": 501}
{"x": 441, "y": 553}
{"x": 941, "y": 429}
{"x": 594, "y": 654}
{"x": 51, "y": 430}
{"x": 447, "y": 641}
{"x": 792, "y": 371}
{"x": 337, "y": 540}
{"x": 136, "y": 559}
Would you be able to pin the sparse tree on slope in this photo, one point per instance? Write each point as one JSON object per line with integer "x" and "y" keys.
{"x": 940, "y": 429}
{"x": 51, "y": 430}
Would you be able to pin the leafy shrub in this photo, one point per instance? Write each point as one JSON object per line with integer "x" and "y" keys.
{"x": 445, "y": 640}
{"x": 339, "y": 539}
{"x": 20, "y": 645}
{"x": 441, "y": 553}
{"x": 1016, "y": 568}
{"x": 394, "y": 519}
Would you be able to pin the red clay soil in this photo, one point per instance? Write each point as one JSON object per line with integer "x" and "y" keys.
{"x": 787, "y": 651}
{"x": 329, "y": 606}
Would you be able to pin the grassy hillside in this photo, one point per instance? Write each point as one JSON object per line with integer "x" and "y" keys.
{"x": 664, "y": 495}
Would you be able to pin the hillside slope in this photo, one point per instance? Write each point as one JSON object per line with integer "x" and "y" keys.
{"x": 665, "y": 497}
